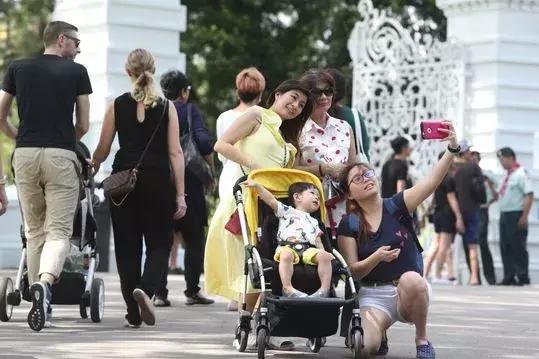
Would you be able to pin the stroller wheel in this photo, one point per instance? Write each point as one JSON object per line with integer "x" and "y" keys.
{"x": 6, "y": 309}
{"x": 97, "y": 300}
{"x": 261, "y": 341}
{"x": 314, "y": 344}
{"x": 241, "y": 336}
{"x": 357, "y": 344}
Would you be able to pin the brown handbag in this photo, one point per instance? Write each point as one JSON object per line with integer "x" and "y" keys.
{"x": 121, "y": 184}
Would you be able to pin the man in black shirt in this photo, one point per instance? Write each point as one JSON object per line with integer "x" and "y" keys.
{"x": 47, "y": 88}
{"x": 395, "y": 171}
{"x": 467, "y": 173}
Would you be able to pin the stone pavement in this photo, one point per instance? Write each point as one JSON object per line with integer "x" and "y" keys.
{"x": 465, "y": 322}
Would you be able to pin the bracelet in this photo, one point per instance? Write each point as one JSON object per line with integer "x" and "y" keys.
{"x": 181, "y": 195}
{"x": 320, "y": 170}
{"x": 455, "y": 150}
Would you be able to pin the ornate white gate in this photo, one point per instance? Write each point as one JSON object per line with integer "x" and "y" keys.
{"x": 401, "y": 79}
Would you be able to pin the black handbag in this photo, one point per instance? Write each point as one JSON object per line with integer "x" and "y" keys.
{"x": 194, "y": 161}
{"x": 120, "y": 184}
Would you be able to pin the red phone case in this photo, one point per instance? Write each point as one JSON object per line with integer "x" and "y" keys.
{"x": 429, "y": 130}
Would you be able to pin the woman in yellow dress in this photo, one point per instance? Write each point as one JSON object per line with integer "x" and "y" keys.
{"x": 255, "y": 140}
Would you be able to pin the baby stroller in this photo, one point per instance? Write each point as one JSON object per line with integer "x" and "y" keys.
{"x": 277, "y": 315}
{"x": 77, "y": 284}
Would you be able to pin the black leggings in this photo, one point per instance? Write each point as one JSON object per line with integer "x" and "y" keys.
{"x": 146, "y": 213}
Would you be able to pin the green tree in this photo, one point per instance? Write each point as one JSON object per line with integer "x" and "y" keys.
{"x": 21, "y": 25}
{"x": 282, "y": 38}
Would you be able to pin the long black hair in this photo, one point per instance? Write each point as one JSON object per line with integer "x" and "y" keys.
{"x": 292, "y": 128}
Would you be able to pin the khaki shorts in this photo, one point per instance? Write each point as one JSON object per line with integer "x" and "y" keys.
{"x": 307, "y": 257}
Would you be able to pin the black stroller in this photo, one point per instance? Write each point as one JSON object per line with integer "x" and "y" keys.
{"x": 77, "y": 284}
{"x": 279, "y": 316}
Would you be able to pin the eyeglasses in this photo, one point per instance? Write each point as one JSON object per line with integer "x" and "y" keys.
{"x": 328, "y": 91}
{"x": 358, "y": 179}
{"x": 77, "y": 41}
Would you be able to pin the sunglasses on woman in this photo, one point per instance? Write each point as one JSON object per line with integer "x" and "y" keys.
{"x": 358, "y": 179}
{"x": 328, "y": 91}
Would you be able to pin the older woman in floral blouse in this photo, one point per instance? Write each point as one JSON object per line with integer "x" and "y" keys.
{"x": 326, "y": 144}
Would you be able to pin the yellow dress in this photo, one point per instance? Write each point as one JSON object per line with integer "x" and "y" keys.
{"x": 224, "y": 254}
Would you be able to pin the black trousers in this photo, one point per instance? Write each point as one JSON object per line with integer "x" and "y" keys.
{"x": 513, "y": 243}
{"x": 193, "y": 260}
{"x": 192, "y": 229}
{"x": 145, "y": 215}
{"x": 486, "y": 256}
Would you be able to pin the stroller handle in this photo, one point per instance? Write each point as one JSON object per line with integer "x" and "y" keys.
{"x": 237, "y": 186}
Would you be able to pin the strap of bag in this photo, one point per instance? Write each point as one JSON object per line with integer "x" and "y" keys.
{"x": 404, "y": 220}
{"x": 189, "y": 119}
{"x": 165, "y": 108}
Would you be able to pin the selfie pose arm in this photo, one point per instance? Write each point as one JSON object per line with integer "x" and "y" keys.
{"x": 414, "y": 196}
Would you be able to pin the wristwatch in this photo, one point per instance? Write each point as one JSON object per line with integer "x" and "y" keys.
{"x": 3, "y": 181}
{"x": 455, "y": 150}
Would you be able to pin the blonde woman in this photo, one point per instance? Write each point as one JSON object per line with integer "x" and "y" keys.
{"x": 149, "y": 209}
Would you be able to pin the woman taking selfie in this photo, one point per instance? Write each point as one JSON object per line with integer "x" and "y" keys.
{"x": 379, "y": 244}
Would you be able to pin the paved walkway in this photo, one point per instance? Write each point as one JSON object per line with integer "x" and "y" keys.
{"x": 465, "y": 322}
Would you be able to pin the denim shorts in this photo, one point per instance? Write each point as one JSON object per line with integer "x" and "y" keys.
{"x": 471, "y": 226}
{"x": 385, "y": 298}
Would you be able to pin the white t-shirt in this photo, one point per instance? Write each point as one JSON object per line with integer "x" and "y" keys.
{"x": 296, "y": 226}
{"x": 223, "y": 123}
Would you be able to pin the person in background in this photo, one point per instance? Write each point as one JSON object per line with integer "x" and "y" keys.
{"x": 352, "y": 116}
{"x": 250, "y": 85}
{"x": 447, "y": 222}
{"x": 492, "y": 195}
{"x": 3, "y": 196}
{"x": 465, "y": 174}
{"x": 514, "y": 202}
{"x": 190, "y": 228}
{"x": 395, "y": 177}
{"x": 48, "y": 89}
{"x": 147, "y": 212}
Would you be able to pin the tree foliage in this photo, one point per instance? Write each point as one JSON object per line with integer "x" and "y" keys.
{"x": 282, "y": 38}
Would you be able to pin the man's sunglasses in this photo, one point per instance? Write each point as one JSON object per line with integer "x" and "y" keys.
{"x": 77, "y": 41}
{"x": 358, "y": 179}
{"x": 328, "y": 91}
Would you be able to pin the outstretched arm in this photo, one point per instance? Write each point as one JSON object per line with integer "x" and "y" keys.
{"x": 263, "y": 193}
{"x": 414, "y": 196}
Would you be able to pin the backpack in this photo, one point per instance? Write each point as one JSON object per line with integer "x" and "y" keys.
{"x": 478, "y": 190}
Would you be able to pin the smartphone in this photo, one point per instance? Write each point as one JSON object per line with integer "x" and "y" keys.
{"x": 429, "y": 130}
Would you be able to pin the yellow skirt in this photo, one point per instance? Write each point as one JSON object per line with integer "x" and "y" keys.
{"x": 224, "y": 256}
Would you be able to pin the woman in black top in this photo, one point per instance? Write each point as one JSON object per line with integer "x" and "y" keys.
{"x": 380, "y": 246}
{"x": 147, "y": 212}
{"x": 447, "y": 221}
{"x": 191, "y": 227}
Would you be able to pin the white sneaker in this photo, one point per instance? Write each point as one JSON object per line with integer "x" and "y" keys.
{"x": 443, "y": 281}
{"x": 129, "y": 325}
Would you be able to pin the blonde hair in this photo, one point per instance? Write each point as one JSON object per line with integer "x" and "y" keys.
{"x": 250, "y": 83}
{"x": 141, "y": 67}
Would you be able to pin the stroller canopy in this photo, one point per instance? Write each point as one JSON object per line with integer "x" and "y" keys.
{"x": 277, "y": 181}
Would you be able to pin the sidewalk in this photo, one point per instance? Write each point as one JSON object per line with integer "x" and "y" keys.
{"x": 465, "y": 322}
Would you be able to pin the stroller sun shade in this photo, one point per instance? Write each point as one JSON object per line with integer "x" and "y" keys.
{"x": 277, "y": 181}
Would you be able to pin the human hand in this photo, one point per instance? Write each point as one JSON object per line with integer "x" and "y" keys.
{"x": 386, "y": 254}
{"x": 451, "y": 138}
{"x": 250, "y": 184}
{"x": 94, "y": 163}
{"x": 460, "y": 226}
{"x": 3, "y": 200}
{"x": 523, "y": 222}
{"x": 181, "y": 207}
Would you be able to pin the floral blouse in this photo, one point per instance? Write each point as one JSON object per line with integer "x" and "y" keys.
{"x": 325, "y": 145}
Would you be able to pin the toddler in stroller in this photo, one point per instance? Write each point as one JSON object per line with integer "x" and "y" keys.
{"x": 299, "y": 235}
{"x": 77, "y": 283}
{"x": 282, "y": 310}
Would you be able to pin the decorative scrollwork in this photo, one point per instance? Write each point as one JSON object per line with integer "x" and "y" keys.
{"x": 402, "y": 78}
